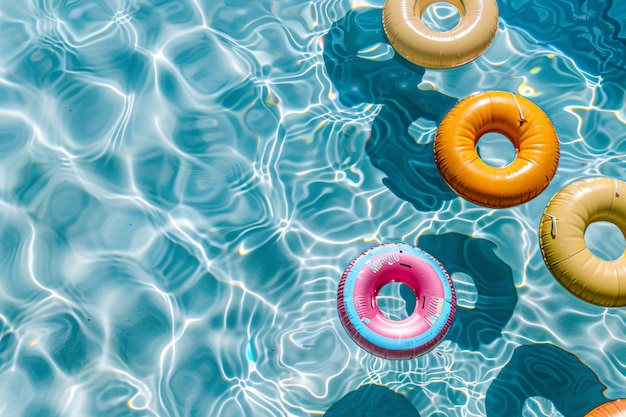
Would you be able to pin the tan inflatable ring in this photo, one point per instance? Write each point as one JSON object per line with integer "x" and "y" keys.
{"x": 411, "y": 38}
{"x": 562, "y": 240}
{"x": 527, "y": 127}
{"x": 615, "y": 408}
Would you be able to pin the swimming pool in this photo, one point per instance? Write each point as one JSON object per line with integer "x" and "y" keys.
{"x": 183, "y": 184}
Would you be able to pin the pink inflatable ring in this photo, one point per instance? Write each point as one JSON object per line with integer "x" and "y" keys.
{"x": 368, "y": 326}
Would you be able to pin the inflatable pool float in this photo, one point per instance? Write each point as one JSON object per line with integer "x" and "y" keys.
{"x": 562, "y": 240}
{"x": 411, "y": 38}
{"x": 527, "y": 127}
{"x": 615, "y": 408}
{"x": 369, "y": 327}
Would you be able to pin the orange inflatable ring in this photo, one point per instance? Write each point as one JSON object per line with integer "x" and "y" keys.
{"x": 411, "y": 38}
{"x": 527, "y": 127}
{"x": 615, "y": 408}
{"x": 563, "y": 246}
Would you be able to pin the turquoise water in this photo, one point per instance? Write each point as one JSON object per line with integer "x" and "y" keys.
{"x": 182, "y": 184}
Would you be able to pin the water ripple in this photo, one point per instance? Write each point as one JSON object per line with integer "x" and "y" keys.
{"x": 183, "y": 183}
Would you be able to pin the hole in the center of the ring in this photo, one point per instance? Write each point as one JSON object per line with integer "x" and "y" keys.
{"x": 605, "y": 240}
{"x": 495, "y": 149}
{"x": 441, "y": 16}
{"x": 396, "y": 301}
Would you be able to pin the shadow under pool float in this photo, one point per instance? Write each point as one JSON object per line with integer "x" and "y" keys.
{"x": 367, "y": 325}
{"x": 563, "y": 246}
{"x": 411, "y": 38}
{"x": 527, "y": 127}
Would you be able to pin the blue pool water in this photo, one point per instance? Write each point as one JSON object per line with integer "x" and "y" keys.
{"x": 182, "y": 184}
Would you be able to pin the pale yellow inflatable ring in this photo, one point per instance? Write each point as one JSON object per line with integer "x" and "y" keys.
{"x": 562, "y": 240}
{"x": 411, "y": 38}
